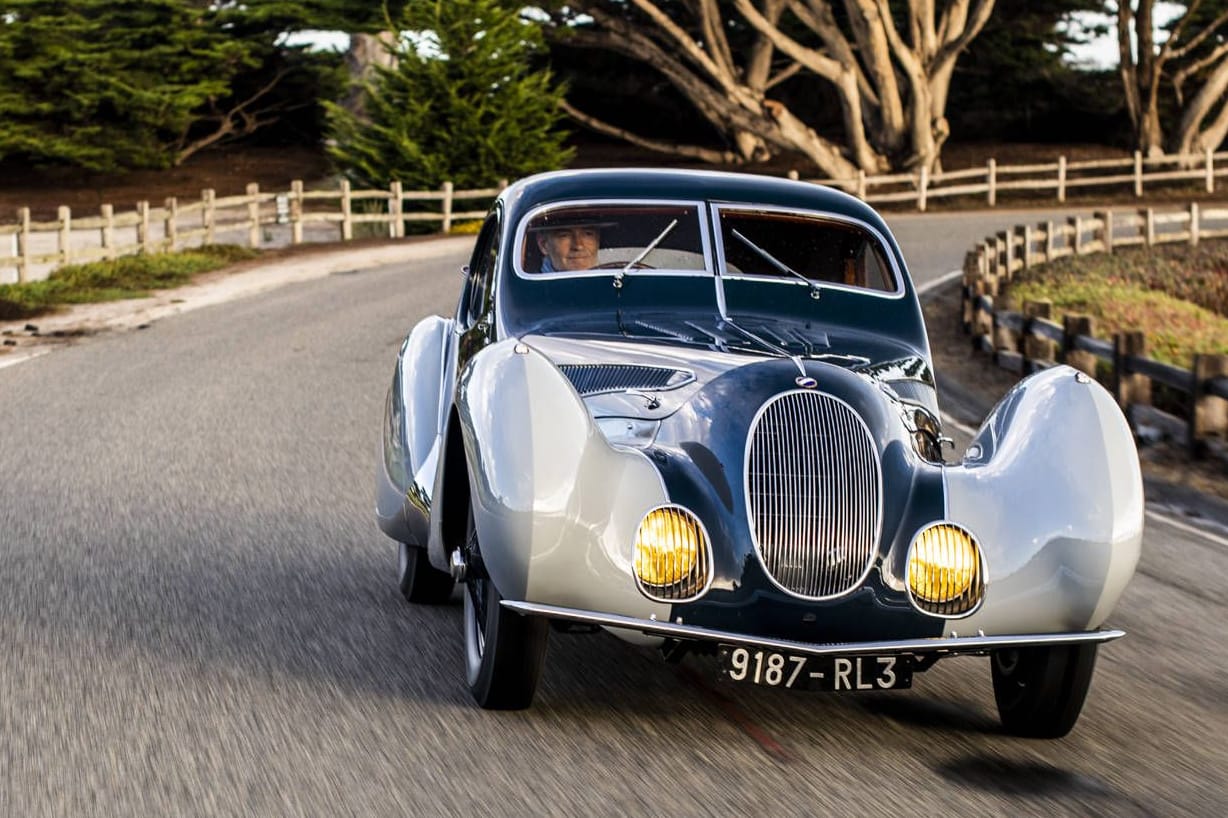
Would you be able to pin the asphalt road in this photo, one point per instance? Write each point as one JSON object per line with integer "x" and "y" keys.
{"x": 198, "y": 616}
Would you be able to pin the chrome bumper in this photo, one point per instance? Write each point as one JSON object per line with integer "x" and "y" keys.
{"x": 935, "y": 646}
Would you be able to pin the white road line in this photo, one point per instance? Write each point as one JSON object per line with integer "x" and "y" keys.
{"x": 1187, "y": 528}
{"x": 938, "y": 282}
{"x": 21, "y": 357}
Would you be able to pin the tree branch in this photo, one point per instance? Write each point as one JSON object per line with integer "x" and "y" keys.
{"x": 691, "y": 151}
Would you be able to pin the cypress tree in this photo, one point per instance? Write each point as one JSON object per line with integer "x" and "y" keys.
{"x": 463, "y": 102}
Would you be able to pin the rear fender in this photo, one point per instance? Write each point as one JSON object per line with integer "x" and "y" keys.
{"x": 1051, "y": 487}
{"x": 556, "y": 507}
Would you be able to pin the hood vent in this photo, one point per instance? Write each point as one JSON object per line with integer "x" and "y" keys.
{"x": 593, "y": 379}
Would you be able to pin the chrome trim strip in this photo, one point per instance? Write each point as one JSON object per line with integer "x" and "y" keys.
{"x": 941, "y": 645}
{"x": 883, "y": 244}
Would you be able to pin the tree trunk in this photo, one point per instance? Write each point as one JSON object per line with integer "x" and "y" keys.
{"x": 365, "y": 52}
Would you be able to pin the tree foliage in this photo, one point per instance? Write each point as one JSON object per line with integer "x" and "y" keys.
{"x": 107, "y": 84}
{"x": 1182, "y": 72}
{"x": 887, "y": 67}
{"x": 461, "y": 102}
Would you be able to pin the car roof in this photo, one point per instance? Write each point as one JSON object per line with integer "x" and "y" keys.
{"x": 677, "y": 185}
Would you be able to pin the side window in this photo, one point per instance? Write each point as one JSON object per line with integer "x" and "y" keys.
{"x": 476, "y": 298}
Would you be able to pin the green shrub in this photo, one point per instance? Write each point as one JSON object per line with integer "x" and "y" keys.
{"x": 127, "y": 277}
{"x": 1176, "y": 296}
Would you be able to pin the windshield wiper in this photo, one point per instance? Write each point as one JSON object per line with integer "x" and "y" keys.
{"x": 815, "y": 292}
{"x": 652, "y": 245}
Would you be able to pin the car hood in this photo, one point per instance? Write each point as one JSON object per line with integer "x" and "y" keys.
{"x": 658, "y": 362}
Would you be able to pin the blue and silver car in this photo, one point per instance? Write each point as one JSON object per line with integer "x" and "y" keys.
{"x": 697, "y": 410}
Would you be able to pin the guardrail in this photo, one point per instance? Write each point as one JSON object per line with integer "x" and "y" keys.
{"x": 1061, "y": 176}
{"x": 1025, "y": 341}
{"x": 33, "y": 249}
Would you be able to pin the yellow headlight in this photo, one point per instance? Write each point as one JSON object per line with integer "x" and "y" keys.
{"x": 671, "y": 550}
{"x": 944, "y": 570}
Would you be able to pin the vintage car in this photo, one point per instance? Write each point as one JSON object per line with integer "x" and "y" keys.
{"x": 698, "y": 410}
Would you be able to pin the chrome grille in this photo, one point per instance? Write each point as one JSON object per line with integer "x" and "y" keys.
{"x": 589, "y": 379}
{"x": 814, "y": 492}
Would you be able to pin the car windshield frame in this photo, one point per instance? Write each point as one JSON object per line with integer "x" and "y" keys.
{"x": 702, "y": 225}
{"x": 880, "y": 243}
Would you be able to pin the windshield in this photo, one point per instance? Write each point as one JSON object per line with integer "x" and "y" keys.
{"x": 616, "y": 238}
{"x": 792, "y": 246}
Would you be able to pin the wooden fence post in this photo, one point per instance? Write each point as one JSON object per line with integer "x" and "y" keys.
{"x": 208, "y": 214}
{"x": 347, "y": 213}
{"x": 1195, "y": 228}
{"x": 396, "y": 227}
{"x": 972, "y": 277}
{"x": 1007, "y": 242}
{"x": 1209, "y": 164}
{"x": 447, "y": 208}
{"x": 1061, "y": 178}
{"x": 142, "y": 228}
{"x": 1149, "y": 225}
{"x": 1128, "y": 387}
{"x": 1076, "y": 240}
{"x": 296, "y": 211}
{"x": 107, "y": 212}
{"x": 23, "y": 244}
{"x": 253, "y": 214}
{"x": 991, "y": 180}
{"x": 1048, "y": 228}
{"x": 861, "y": 184}
{"x": 1208, "y": 414}
{"x": 64, "y": 235}
{"x": 1138, "y": 174}
{"x": 923, "y": 187}
{"x": 1106, "y": 230}
{"x": 1034, "y": 347}
{"x": 1026, "y": 232}
{"x": 170, "y": 231}
{"x": 1073, "y": 326}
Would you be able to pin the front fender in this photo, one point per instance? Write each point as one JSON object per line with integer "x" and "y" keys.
{"x": 1051, "y": 487}
{"x": 556, "y": 507}
{"x": 410, "y": 450}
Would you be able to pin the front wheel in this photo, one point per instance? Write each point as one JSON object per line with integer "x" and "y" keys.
{"x": 418, "y": 580}
{"x": 504, "y": 651}
{"x": 1040, "y": 691}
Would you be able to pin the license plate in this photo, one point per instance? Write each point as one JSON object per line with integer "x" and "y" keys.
{"x": 828, "y": 673}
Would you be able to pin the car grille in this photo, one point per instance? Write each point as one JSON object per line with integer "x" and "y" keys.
{"x": 589, "y": 379}
{"x": 814, "y": 489}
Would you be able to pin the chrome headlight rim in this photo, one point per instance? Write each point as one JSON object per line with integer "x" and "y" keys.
{"x": 980, "y": 580}
{"x": 660, "y": 593}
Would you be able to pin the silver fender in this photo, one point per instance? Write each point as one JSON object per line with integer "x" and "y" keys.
{"x": 556, "y": 507}
{"x": 411, "y": 438}
{"x": 1051, "y": 487}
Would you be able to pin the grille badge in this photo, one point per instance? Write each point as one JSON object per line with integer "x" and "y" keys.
{"x": 806, "y": 382}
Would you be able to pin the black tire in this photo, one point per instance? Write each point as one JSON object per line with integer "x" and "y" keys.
{"x": 419, "y": 581}
{"x": 504, "y": 651}
{"x": 1040, "y": 691}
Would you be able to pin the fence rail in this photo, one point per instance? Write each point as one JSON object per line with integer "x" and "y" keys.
{"x": 30, "y": 250}
{"x": 1061, "y": 176}
{"x": 1031, "y": 339}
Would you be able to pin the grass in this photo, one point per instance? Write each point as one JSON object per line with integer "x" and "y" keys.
{"x": 127, "y": 277}
{"x": 1177, "y": 296}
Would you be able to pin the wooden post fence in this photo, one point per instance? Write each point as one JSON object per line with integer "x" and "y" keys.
{"x": 447, "y": 208}
{"x": 253, "y": 215}
{"x": 107, "y": 212}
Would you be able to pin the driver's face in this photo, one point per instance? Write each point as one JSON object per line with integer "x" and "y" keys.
{"x": 570, "y": 248}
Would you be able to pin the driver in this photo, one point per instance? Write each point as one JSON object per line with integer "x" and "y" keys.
{"x": 569, "y": 246}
